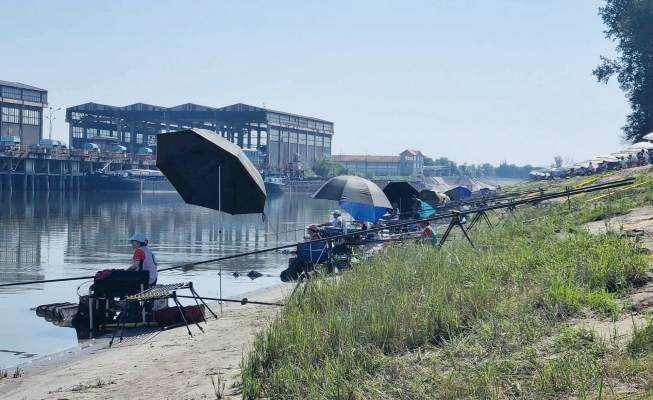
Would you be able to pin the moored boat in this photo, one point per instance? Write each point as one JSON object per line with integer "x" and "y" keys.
{"x": 274, "y": 184}
{"x": 130, "y": 179}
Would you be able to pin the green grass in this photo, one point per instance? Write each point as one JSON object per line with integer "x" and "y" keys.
{"x": 491, "y": 323}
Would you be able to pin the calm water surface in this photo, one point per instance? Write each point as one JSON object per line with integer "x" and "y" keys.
{"x": 62, "y": 235}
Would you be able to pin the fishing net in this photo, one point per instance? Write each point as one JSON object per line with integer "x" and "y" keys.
{"x": 82, "y": 290}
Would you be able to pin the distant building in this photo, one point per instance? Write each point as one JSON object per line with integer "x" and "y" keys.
{"x": 378, "y": 165}
{"x": 412, "y": 162}
{"x": 21, "y": 111}
{"x": 281, "y": 138}
{"x": 409, "y": 162}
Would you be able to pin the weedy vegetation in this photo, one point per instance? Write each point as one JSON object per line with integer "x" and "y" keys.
{"x": 487, "y": 323}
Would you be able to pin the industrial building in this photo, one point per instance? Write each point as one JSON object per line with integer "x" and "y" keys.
{"x": 21, "y": 111}
{"x": 282, "y": 138}
{"x": 408, "y": 162}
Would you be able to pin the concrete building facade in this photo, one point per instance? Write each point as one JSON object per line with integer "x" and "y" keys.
{"x": 411, "y": 162}
{"x": 21, "y": 111}
{"x": 282, "y": 138}
{"x": 408, "y": 162}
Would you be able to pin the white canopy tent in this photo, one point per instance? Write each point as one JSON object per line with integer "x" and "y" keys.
{"x": 640, "y": 145}
{"x": 608, "y": 158}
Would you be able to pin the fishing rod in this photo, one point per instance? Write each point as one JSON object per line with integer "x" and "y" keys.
{"x": 243, "y": 301}
{"x": 512, "y": 204}
{"x": 481, "y": 199}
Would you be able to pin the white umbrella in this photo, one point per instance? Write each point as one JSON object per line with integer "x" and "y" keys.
{"x": 640, "y": 146}
{"x": 586, "y": 163}
{"x": 620, "y": 154}
{"x": 607, "y": 158}
{"x": 648, "y": 136}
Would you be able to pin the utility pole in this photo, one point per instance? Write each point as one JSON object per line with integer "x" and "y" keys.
{"x": 51, "y": 119}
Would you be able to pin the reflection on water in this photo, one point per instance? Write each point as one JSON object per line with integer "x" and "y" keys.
{"x": 61, "y": 235}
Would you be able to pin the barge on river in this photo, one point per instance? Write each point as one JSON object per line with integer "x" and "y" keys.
{"x": 131, "y": 179}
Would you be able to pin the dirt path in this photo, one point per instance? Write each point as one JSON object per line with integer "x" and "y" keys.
{"x": 637, "y": 223}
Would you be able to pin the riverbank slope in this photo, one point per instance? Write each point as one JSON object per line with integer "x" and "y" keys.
{"x": 544, "y": 306}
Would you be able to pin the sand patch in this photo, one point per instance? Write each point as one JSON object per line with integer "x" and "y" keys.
{"x": 157, "y": 365}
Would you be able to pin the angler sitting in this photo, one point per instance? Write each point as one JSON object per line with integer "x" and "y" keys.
{"x": 337, "y": 222}
{"x": 428, "y": 234}
{"x": 143, "y": 259}
{"x": 313, "y": 233}
{"x": 392, "y": 214}
{"x": 308, "y": 254}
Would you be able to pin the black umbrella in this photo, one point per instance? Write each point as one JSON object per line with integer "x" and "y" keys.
{"x": 361, "y": 198}
{"x": 432, "y": 197}
{"x": 401, "y": 193}
{"x": 210, "y": 171}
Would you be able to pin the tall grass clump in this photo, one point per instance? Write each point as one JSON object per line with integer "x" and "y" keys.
{"x": 418, "y": 322}
{"x": 641, "y": 343}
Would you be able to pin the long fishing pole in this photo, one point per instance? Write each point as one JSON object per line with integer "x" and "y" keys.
{"x": 243, "y": 301}
{"x": 509, "y": 204}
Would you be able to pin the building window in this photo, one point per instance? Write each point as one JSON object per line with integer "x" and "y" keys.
{"x": 31, "y": 117}
{"x": 311, "y": 140}
{"x": 274, "y": 118}
{"x": 91, "y": 132}
{"x": 78, "y": 132}
{"x": 11, "y": 93}
{"x": 31, "y": 95}
{"x": 327, "y": 142}
{"x": 10, "y": 114}
{"x": 139, "y": 138}
{"x": 274, "y": 135}
{"x": 105, "y": 132}
{"x": 128, "y": 137}
{"x": 293, "y": 137}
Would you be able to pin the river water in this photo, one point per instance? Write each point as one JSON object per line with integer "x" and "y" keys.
{"x": 64, "y": 235}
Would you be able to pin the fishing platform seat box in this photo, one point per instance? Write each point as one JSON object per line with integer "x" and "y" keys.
{"x": 171, "y": 316}
{"x": 330, "y": 231}
{"x": 313, "y": 252}
{"x": 121, "y": 283}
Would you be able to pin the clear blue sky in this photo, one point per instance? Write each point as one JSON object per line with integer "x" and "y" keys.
{"x": 472, "y": 80}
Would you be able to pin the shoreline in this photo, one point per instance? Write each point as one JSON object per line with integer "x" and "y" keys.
{"x": 181, "y": 365}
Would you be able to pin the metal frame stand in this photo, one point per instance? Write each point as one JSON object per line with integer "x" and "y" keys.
{"x": 162, "y": 292}
{"x": 455, "y": 221}
{"x": 477, "y": 217}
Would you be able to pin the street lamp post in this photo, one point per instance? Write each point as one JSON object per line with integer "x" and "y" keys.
{"x": 51, "y": 119}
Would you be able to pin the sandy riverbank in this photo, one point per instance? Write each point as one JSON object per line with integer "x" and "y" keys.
{"x": 154, "y": 365}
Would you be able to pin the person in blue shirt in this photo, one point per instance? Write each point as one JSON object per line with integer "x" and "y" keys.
{"x": 421, "y": 209}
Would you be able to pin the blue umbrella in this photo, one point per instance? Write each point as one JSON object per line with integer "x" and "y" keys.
{"x": 363, "y": 212}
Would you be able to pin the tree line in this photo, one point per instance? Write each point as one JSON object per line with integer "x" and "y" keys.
{"x": 325, "y": 168}
{"x": 630, "y": 25}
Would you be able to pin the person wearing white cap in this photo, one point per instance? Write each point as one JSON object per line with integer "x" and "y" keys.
{"x": 143, "y": 257}
{"x": 337, "y": 222}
